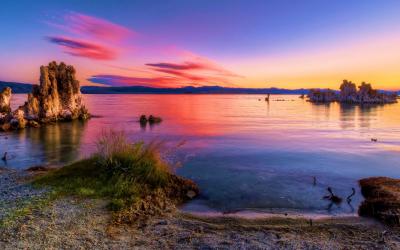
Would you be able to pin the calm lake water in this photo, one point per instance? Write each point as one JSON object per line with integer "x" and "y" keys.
{"x": 245, "y": 154}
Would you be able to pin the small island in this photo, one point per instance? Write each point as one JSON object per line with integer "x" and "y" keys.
{"x": 57, "y": 98}
{"x": 349, "y": 94}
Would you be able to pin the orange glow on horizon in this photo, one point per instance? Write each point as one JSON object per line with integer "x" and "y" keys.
{"x": 373, "y": 60}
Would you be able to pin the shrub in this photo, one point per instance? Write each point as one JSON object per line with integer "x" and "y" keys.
{"x": 136, "y": 163}
{"x": 121, "y": 171}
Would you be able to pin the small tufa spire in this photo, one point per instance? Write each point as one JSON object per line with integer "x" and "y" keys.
{"x": 5, "y": 97}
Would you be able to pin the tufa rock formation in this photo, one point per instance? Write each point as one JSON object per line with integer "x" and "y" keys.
{"x": 57, "y": 98}
{"x": 5, "y": 109}
{"x": 349, "y": 94}
{"x": 5, "y": 97}
{"x": 317, "y": 95}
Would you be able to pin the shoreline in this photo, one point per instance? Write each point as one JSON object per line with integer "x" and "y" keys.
{"x": 204, "y": 210}
{"x": 76, "y": 222}
{"x": 85, "y": 223}
{"x": 265, "y": 215}
{"x": 21, "y": 175}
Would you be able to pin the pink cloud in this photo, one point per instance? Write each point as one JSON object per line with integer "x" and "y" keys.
{"x": 201, "y": 69}
{"x": 96, "y": 36}
{"x": 97, "y": 27}
{"x": 176, "y": 66}
{"x": 117, "y": 80}
{"x": 193, "y": 77}
{"x": 98, "y": 39}
{"x": 194, "y": 73}
{"x": 192, "y": 61}
{"x": 83, "y": 48}
{"x": 80, "y": 24}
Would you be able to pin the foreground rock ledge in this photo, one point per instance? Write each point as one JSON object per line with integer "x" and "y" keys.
{"x": 382, "y": 199}
{"x": 57, "y": 98}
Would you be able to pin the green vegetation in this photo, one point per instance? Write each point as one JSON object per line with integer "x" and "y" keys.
{"x": 127, "y": 174}
{"x": 25, "y": 208}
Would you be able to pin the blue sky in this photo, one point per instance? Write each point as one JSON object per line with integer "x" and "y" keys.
{"x": 260, "y": 42}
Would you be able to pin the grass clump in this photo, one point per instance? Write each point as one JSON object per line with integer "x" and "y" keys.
{"x": 128, "y": 174}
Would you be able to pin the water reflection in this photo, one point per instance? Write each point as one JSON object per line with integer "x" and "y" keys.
{"x": 322, "y": 109}
{"x": 243, "y": 153}
{"x": 347, "y": 115}
{"x": 51, "y": 144}
{"x": 60, "y": 142}
{"x": 368, "y": 114}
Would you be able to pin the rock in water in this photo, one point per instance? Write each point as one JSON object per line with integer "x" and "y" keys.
{"x": 154, "y": 119}
{"x": 5, "y": 109}
{"x": 58, "y": 97}
{"x": 5, "y": 97}
{"x": 18, "y": 121}
{"x": 31, "y": 108}
{"x": 349, "y": 94}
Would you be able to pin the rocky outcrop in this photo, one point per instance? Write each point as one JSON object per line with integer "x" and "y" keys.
{"x": 5, "y": 108}
{"x": 349, "y": 94}
{"x": 318, "y": 95}
{"x": 382, "y": 199}
{"x": 5, "y": 97}
{"x": 57, "y": 98}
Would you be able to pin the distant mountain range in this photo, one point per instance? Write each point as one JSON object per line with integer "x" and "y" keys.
{"x": 27, "y": 88}
{"x": 187, "y": 90}
{"x": 18, "y": 88}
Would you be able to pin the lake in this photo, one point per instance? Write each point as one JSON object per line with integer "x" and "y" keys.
{"x": 245, "y": 154}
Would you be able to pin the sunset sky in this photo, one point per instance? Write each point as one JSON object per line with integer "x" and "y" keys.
{"x": 288, "y": 44}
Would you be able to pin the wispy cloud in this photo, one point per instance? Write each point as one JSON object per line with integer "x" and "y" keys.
{"x": 188, "y": 77}
{"x": 83, "y": 48}
{"x": 176, "y": 66}
{"x": 95, "y": 27}
{"x": 117, "y": 80}
{"x": 200, "y": 70}
{"x": 199, "y": 64}
{"x": 97, "y": 37}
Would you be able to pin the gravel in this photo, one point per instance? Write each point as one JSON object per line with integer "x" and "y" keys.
{"x": 15, "y": 192}
{"x": 76, "y": 223}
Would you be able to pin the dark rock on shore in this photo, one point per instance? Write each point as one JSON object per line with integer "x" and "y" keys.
{"x": 349, "y": 94}
{"x": 57, "y": 98}
{"x": 382, "y": 199}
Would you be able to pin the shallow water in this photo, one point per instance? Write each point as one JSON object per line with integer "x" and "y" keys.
{"x": 245, "y": 154}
